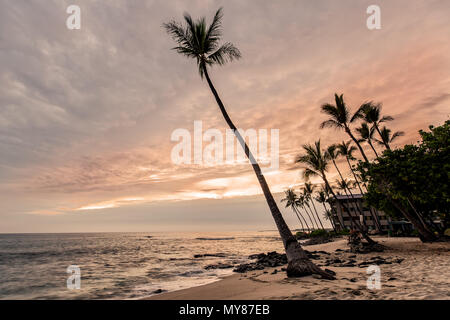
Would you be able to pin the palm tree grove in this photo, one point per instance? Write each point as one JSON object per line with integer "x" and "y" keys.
{"x": 359, "y": 163}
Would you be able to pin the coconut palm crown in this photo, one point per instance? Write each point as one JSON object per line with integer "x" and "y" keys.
{"x": 340, "y": 118}
{"x": 198, "y": 41}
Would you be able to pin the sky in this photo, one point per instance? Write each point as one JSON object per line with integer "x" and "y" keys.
{"x": 86, "y": 116}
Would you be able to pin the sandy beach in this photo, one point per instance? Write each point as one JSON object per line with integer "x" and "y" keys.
{"x": 423, "y": 273}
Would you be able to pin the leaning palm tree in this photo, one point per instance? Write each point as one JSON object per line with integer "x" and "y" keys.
{"x": 340, "y": 118}
{"x": 291, "y": 200}
{"x": 371, "y": 113}
{"x": 366, "y": 135}
{"x": 387, "y": 138}
{"x": 316, "y": 163}
{"x": 309, "y": 189}
{"x": 198, "y": 41}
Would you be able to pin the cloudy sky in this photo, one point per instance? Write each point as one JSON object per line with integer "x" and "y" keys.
{"x": 86, "y": 116}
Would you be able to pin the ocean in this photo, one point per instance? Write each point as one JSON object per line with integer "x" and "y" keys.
{"x": 120, "y": 265}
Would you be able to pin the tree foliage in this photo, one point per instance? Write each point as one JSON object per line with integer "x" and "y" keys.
{"x": 416, "y": 175}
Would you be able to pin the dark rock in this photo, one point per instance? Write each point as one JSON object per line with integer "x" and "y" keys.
{"x": 274, "y": 271}
{"x": 269, "y": 260}
{"x": 392, "y": 278}
{"x": 317, "y": 240}
{"x": 158, "y": 291}
{"x": 219, "y": 266}
{"x": 330, "y": 272}
{"x": 348, "y": 264}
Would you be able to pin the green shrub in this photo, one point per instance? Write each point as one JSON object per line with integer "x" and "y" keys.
{"x": 344, "y": 232}
{"x": 302, "y": 235}
{"x": 319, "y": 233}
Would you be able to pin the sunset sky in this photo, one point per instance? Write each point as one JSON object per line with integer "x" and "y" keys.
{"x": 86, "y": 116}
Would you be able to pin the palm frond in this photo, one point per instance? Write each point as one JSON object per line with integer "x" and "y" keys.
{"x": 396, "y": 135}
{"x": 226, "y": 53}
{"x": 331, "y": 124}
{"x": 201, "y": 42}
{"x": 386, "y": 118}
{"x": 214, "y": 32}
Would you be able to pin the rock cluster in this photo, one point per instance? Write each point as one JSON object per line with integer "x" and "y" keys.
{"x": 271, "y": 259}
{"x": 340, "y": 258}
{"x": 219, "y": 266}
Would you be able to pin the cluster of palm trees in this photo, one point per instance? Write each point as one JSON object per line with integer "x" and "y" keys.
{"x": 316, "y": 160}
{"x": 304, "y": 201}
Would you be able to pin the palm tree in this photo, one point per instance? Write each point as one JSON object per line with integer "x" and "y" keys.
{"x": 340, "y": 119}
{"x": 366, "y": 135}
{"x": 303, "y": 203}
{"x": 387, "y": 138}
{"x": 309, "y": 189}
{"x": 306, "y": 200}
{"x": 371, "y": 113}
{"x": 300, "y": 204}
{"x": 344, "y": 185}
{"x": 316, "y": 164}
{"x": 346, "y": 150}
{"x": 198, "y": 41}
{"x": 291, "y": 200}
{"x": 322, "y": 198}
{"x": 333, "y": 154}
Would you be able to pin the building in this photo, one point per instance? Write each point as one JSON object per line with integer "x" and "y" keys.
{"x": 370, "y": 218}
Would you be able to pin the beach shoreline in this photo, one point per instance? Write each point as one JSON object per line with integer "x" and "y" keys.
{"x": 412, "y": 270}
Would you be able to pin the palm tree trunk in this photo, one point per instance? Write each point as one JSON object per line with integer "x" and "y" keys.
{"x": 304, "y": 220}
{"x": 354, "y": 175}
{"x": 331, "y": 218}
{"x": 298, "y": 262}
{"x": 363, "y": 233}
{"x": 301, "y": 223}
{"x": 374, "y": 215}
{"x": 425, "y": 234}
{"x": 314, "y": 206}
{"x": 343, "y": 181}
{"x": 349, "y": 132}
{"x": 309, "y": 216}
{"x": 373, "y": 148}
